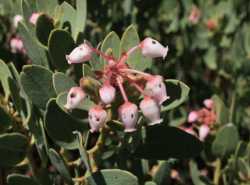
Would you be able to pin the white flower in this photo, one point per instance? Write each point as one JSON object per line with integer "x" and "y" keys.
{"x": 151, "y": 110}
{"x": 97, "y": 118}
{"x": 128, "y": 113}
{"x": 107, "y": 93}
{"x": 80, "y": 54}
{"x": 75, "y": 96}
{"x": 156, "y": 88}
{"x": 153, "y": 49}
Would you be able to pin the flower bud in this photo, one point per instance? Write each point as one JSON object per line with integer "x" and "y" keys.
{"x": 128, "y": 113}
{"x": 107, "y": 93}
{"x": 203, "y": 132}
{"x": 16, "y": 20}
{"x": 209, "y": 103}
{"x": 97, "y": 118}
{"x": 151, "y": 110}
{"x": 33, "y": 18}
{"x": 153, "y": 49}
{"x": 156, "y": 88}
{"x": 80, "y": 54}
{"x": 75, "y": 96}
{"x": 193, "y": 116}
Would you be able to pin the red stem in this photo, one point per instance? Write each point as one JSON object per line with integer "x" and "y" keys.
{"x": 124, "y": 95}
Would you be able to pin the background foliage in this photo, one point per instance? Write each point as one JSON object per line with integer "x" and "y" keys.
{"x": 38, "y": 146}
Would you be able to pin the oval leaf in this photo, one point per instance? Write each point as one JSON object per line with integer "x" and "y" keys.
{"x": 4, "y": 75}
{"x": 44, "y": 26}
{"x": 18, "y": 179}
{"x": 60, "y": 165}
{"x": 178, "y": 93}
{"x": 62, "y": 82}
{"x": 110, "y": 46}
{"x": 130, "y": 38}
{"x": 114, "y": 177}
{"x": 163, "y": 142}
{"x": 60, "y": 126}
{"x": 37, "y": 83}
{"x": 226, "y": 140}
{"x": 60, "y": 44}
{"x": 12, "y": 149}
{"x": 36, "y": 53}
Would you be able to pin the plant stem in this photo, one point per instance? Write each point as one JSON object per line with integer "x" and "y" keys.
{"x": 103, "y": 55}
{"x": 125, "y": 56}
{"x": 124, "y": 95}
{"x": 139, "y": 88}
{"x": 232, "y": 107}
{"x": 136, "y": 72}
{"x": 217, "y": 171}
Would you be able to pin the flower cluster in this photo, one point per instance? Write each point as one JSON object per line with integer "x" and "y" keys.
{"x": 205, "y": 117}
{"x": 113, "y": 78}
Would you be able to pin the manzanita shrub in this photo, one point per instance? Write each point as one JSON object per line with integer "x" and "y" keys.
{"x": 82, "y": 104}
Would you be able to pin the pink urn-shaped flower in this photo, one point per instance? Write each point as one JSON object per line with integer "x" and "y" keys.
{"x": 128, "y": 114}
{"x": 209, "y": 103}
{"x": 151, "y": 110}
{"x": 33, "y": 18}
{"x": 16, "y": 45}
{"x": 107, "y": 93}
{"x": 80, "y": 54}
{"x": 75, "y": 96}
{"x": 97, "y": 118}
{"x": 193, "y": 116}
{"x": 203, "y": 132}
{"x": 156, "y": 88}
{"x": 153, "y": 49}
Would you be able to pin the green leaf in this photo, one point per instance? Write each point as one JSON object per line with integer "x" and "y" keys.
{"x": 178, "y": 93}
{"x": 68, "y": 15}
{"x": 58, "y": 162}
{"x": 163, "y": 142}
{"x": 222, "y": 112}
{"x": 62, "y": 83}
{"x": 210, "y": 58}
{"x": 18, "y": 179}
{"x": 60, "y": 44}
{"x": 162, "y": 175}
{"x": 36, "y": 53}
{"x": 111, "y": 46}
{"x": 150, "y": 183}
{"x": 44, "y": 26}
{"x": 130, "y": 38}
{"x": 194, "y": 172}
{"x": 4, "y": 75}
{"x": 27, "y": 8}
{"x": 75, "y": 17}
{"x": 83, "y": 152}
{"x": 6, "y": 120}
{"x": 15, "y": 94}
{"x": 47, "y": 6}
{"x": 112, "y": 177}
{"x": 60, "y": 126}
{"x": 13, "y": 148}
{"x": 85, "y": 105}
{"x": 226, "y": 140}
{"x": 38, "y": 85}
{"x": 246, "y": 30}
{"x": 36, "y": 127}
{"x": 80, "y": 19}
{"x": 87, "y": 71}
